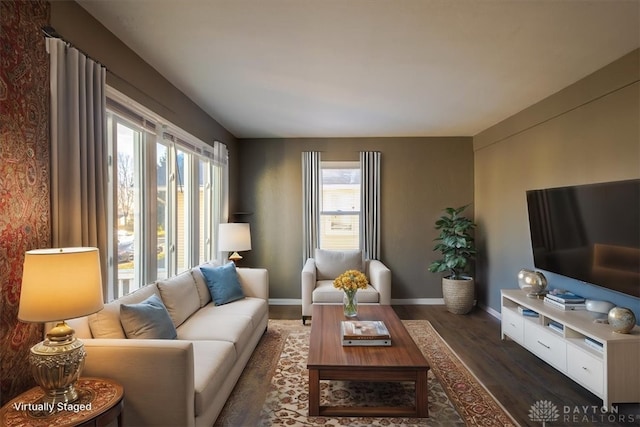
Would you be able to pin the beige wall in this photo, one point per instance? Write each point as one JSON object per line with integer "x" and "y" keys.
{"x": 586, "y": 133}
{"x": 420, "y": 176}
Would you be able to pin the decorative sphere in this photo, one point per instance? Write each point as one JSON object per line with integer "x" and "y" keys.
{"x": 622, "y": 320}
{"x": 532, "y": 282}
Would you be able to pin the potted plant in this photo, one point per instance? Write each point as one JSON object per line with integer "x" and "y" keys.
{"x": 457, "y": 247}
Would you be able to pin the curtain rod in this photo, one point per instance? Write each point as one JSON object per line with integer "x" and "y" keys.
{"x": 51, "y": 33}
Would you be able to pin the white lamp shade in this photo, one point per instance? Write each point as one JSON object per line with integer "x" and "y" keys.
{"x": 60, "y": 284}
{"x": 234, "y": 237}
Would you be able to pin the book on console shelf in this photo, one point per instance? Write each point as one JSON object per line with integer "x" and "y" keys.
{"x": 566, "y": 297}
{"x": 558, "y": 327}
{"x": 597, "y": 345}
{"x": 527, "y": 312}
{"x": 365, "y": 333}
{"x": 563, "y": 306}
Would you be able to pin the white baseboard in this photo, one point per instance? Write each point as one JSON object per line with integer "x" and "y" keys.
{"x": 491, "y": 311}
{"x": 285, "y": 301}
{"x": 418, "y": 301}
{"x": 412, "y": 301}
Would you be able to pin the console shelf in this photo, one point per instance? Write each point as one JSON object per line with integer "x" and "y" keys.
{"x": 591, "y": 354}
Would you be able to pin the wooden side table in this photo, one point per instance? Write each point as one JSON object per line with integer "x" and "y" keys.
{"x": 100, "y": 401}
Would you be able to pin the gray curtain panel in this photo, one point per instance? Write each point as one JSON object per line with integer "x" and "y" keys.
{"x": 370, "y": 204}
{"x": 78, "y": 151}
{"x": 310, "y": 203}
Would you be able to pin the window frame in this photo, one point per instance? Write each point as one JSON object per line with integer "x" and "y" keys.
{"x": 324, "y": 214}
{"x": 154, "y": 130}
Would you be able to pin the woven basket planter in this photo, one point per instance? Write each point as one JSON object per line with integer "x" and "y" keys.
{"x": 459, "y": 295}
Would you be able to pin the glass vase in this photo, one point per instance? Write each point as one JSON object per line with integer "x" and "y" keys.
{"x": 350, "y": 303}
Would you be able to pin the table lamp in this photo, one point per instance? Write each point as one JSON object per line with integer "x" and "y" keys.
{"x": 234, "y": 237}
{"x": 59, "y": 284}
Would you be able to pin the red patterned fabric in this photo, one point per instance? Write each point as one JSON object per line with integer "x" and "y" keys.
{"x": 24, "y": 177}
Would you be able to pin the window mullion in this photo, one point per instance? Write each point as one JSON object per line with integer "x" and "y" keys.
{"x": 172, "y": 192}
{"x": 150, "y": 216}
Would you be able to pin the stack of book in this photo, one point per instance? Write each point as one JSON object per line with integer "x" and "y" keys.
{"x": 565, "y": 301}
{"x": 365, "y": 333}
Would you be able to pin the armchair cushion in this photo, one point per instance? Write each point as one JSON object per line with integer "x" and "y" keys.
{"x": 325, "y": 293}
{"x": 331, "y": 264}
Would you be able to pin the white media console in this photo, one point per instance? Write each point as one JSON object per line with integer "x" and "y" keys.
{"x": 604, "y": 362}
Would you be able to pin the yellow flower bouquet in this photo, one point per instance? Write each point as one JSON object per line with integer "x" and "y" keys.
{"x": 350, "y": 281}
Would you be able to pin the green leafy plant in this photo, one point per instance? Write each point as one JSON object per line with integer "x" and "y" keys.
{"x": 455, "y": 243}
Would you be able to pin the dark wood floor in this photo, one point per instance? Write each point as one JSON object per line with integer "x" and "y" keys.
{"x": 515, "y": 377}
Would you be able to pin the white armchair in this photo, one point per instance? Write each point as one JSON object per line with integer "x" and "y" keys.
{"x": 319, "y": 272}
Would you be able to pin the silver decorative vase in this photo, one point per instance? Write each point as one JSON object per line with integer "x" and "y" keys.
{"x": 622, "y": 320}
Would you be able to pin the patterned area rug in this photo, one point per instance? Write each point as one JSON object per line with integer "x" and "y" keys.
{"x": 276, "y": 381}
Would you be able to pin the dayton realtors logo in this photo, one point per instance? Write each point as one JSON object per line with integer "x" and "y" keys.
{"x": 546, "y": 411}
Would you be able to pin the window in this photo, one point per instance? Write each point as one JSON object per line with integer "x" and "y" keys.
{"x": 340, "y": 205}
{"x": 167, "y": 192}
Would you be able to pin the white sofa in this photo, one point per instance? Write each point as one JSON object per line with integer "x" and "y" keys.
{"x": 319, "y": 272}
{"x": 184, "y": 381}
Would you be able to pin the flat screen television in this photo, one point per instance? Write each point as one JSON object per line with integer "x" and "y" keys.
{"x": 589, "y": 233}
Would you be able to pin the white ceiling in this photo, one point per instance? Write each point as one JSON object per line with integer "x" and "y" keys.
{"x": 349, "y": 68}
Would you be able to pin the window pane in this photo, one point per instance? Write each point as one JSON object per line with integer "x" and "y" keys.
{"x": 127, "y": 199}
{"x": 203, "y": 182}
{"x": 183, "y": 209}
{"x": 339, "y": 232}
{"x": 162, "y": 176}
{"x": 340, "y": 190}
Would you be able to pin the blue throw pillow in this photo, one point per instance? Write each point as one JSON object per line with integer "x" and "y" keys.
{"x": 147, "y": 319}
{"x": 223, "y": 283}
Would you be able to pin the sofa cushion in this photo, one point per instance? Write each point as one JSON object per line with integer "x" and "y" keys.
{"x": 211, "y": 323}
{"x": 326, "y": 293}
{"x": 212, "y": 362}
{"x": 106, "y": 322}
{"x": 223, "y": 283}
{"x": 147, "y": 319}
{"x": 180, "y": 296}
{"x": 331, "y": 264}
{"x": 201, "y": 282}
{"x": 254, "y": 308}
{"x": 201, "y": 286}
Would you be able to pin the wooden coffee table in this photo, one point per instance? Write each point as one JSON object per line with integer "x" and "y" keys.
{"x": 329, "y": 360}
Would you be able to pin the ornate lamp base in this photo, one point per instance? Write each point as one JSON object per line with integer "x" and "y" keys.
{"x": 56, "y": 364}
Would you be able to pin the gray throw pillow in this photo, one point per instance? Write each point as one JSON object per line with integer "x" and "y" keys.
{"x": 148, "y": 319}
